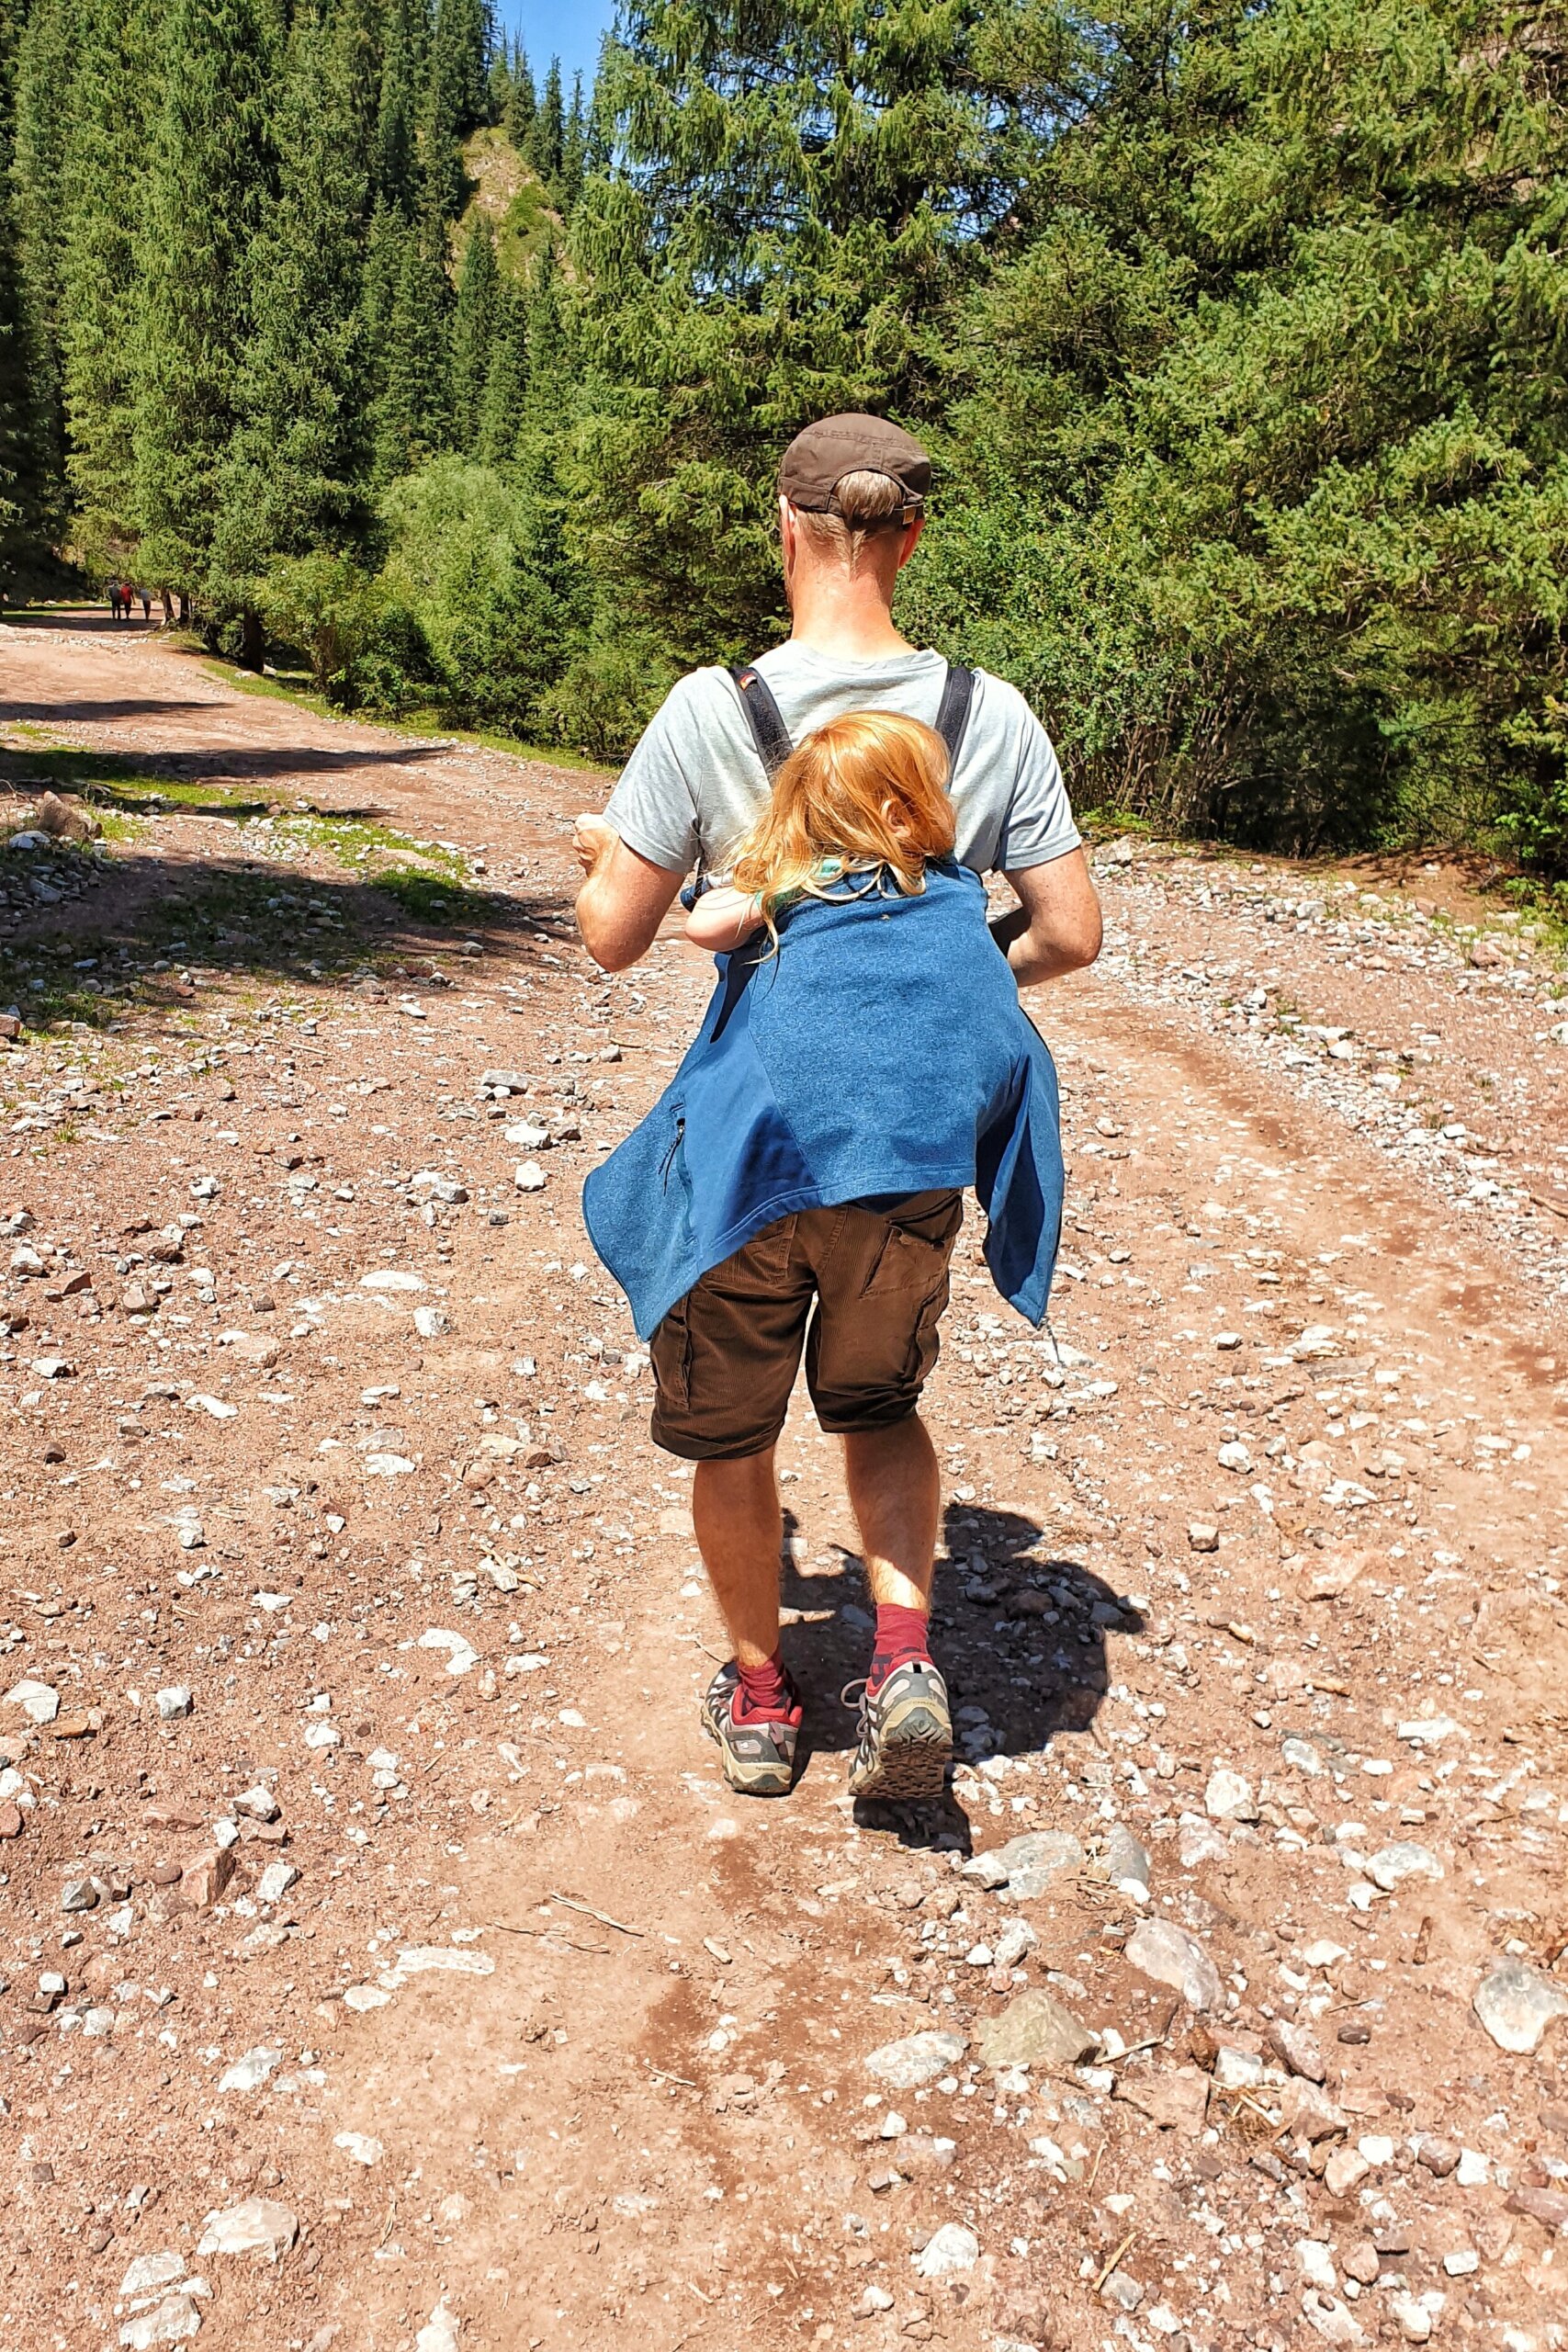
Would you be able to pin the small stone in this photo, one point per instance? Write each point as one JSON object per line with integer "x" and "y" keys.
{"x": 874, "y": 2300}
{"x": 1122, "y": 2290}
{"x": 249, "y": 2073}
{"x": 10, "y": 1821}
{"x": 1126, "y": 1863}
{"x": 36, "y": 1700}
{"x": 1228, "y": 1797}
{"x": 1029, "y": 1864}
{"x": 1176, "y": 2102}
{"x": 1201, "y": 1537}
{"x": 1547, "y": 2206}
{"x": 909, "y": 2064}
{"x": 80, "y": 1894}
{"x": 947, "y": 2251}
{"x": 430, "y": 1322}
{"x": 204, "y": 1879}
{"x": 1317, "y": 2265}
{"x": 1392, "y": 1865}
{"x": 1345, "y": 2170}
{"x": 1158, "y": 1949}
{"x": 259, "y": 1803}
{"x": 1361, "y": 2263}
{"x": 1414, "y": 2316}
{"x": 1308, "y": 2114}
{"x": 1016, "y": 1938}
{"x": 359, "y": 2147}
{"x": 274, "y": 1882}
{"x": 1296, "y": 2049}
{"x": 1238, "y": 2070}
{"x": 173, "y": 2318}
{"x": 166, "y": 1873}
{"x": 892, "y": 2126}
{"x": 1331, "y": 2319}
{"x": 398, "y": 1278}
{"x": 440, "y": 2331}
{"x": 1439, "y": 2156}
{"x": 1461, "y": 2262}
{"x": 1035, "y": 2029}
{"x": 256, "y": 2225}
{"x": 149, "y": 2274}
{"x": 174, "y": 1703}
{"x": 530, "y": 1177}
{"x": 53, "y": 1368}
{"x": 1235, "y": 1456}
{"x": 1516, "y": 2004}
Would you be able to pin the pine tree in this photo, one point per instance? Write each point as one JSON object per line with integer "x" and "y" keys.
{"x": 25, "y": 485}
{"x": 522, "y": 103}
{"x": 413, "y": 418}
{"x": 473, "y": 329}
{"x": 574, "y": 149}
{"x": 101, "y": 196}
{"x": 546, "y": 137}
{"x": 455, "y": 97}
{"x": 41, "y": 81}
{"x": 506, "y": 380}
{"x": 207, "y": 187}
{"x": 396, "y": 134}
{"x": 294, "y": 475}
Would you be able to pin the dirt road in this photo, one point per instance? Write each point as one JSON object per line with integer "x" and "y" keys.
{"x": 386, "y": 1963}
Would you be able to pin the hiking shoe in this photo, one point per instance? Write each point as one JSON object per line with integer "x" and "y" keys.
{"x": 906, "y": 1733}
{"x": 759, "y": 1758}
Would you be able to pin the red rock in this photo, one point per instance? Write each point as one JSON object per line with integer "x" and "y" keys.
{"x": 204, "y": 1879}
{"x": 10, "y": 1821}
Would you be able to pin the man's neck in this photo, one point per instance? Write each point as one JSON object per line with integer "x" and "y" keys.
{"x": 845, "y": 616}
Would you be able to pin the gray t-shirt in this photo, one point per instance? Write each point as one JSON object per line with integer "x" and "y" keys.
{"x": 695, "y": 785}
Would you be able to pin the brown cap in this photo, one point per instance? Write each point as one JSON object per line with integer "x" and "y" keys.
{"x": 817, "y": 460}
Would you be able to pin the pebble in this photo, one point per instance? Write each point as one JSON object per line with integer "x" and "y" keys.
{"x": 259, "y": 1803}
{"x": 1439, "y": 2156}
{"x": 256, "y": 2225}
{"x": 1345, "y": 2170}
{"x": 173, "y": 2318}
{"x": 1516, "y": 2004}
{"x": 909, "y": 2064}
{"x": 249, "y": 2073}
{"x": 359, "y": 2147}
{"x": 1158, "y": 1949}
{"x": 1127, "y": 1863}
{"x": 174, "y": 1703}
{"x": 950, "y": 2249}
{"x": 461, "y": 1655}
{"x": 1228, "y": 1797}
{"x": 1176, "y": 2102}
{"x": 1035, "y": 2029}
{"x": 36, "y": 1700}
{"x": 1201, "y": 1537}
{"x": 1296, "y": 2048}
{"x": 1030, "y": 1862}
{"x": 440, "y": 2332}
{"x": 396, "y": 1278}
{"x": 80, "y": 1894}
{"x": 530, "y": 1177}
{"x": 274, "y": 1882}
{"x": 151, "y": 2273}
{"x": 1392, "y": 1865}
{"x": 1016, "y": 1938}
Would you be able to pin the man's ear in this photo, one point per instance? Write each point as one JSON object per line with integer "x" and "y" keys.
{"x": 910, "y": 540}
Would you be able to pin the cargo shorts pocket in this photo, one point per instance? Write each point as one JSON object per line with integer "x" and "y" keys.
{"x": 913, "y": 1259}
{"x": 669, "y": 1351}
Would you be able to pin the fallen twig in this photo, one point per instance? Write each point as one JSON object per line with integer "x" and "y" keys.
{"x": 505, "y": 1928}
{"x": 658, "y": 2074}
{"x": 1115, "y": 2260}
{"x": 602, "y": 1917}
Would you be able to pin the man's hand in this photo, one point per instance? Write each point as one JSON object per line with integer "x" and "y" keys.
{"x": 1055, "y": 927}
{"x": 624, "y": 898}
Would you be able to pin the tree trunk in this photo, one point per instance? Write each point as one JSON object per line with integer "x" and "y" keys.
{"x": 168, "y": 603}
{"x": 252, "y": 642}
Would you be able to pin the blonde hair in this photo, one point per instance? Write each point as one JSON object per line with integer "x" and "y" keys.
{"x": 866, "y": 505}
{"x": 865, "y": 794}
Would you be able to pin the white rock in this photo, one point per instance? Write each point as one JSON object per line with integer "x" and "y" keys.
{"x": 1474, "y": 2169}
{"x": 1323, "y": 1955}
{"x": 429, "y": 1322}
{"x": 1516, "y": 2004}
{"x": 462, "y": 1656}
{"x": 366, "y": 1996}
{"x": 256, "y": 2225}
{"x": 1235, "y": 1456}
{"x": 1332, "y": 2320}
{"x": 249, "y": 2073}
{"x": 423, "y": 1960}
{"x": 1428, "y": 1731}
{"x": 359, "y": 2147}
{"x": 530, "y": 1177}
{"x": 1345, "y": 2170}
{"x": 1316, "y": 2263}
{"x": 948, "y": 2250}
{"x": 36, "y": 1700}
{"x": 259, "y": 1803}
{"x": 387, "y": 1465}
{"x": 173, "y": 2319}
{"x": 172, "y": 1702}
{"x": 1166, "y": 1952}
{"x": 1017, "y": 1938}
{"x": 1392, "y": 1865}
{"x": 391, "y": 1278}
{"x": 319, "y": 1734}
{"x": 1461, "y": 2262}
{"x": 276, "y": 1881}
{"x": 908, "y": 2064}
{"x": 218, "y": 1407}
{"x": 1376, "y": 2147}
{"x": 1228, "y": 1797}
{"x": 150, "y": 2273}
{"x": 53, "y": 1367}
{"x": 527, "y": 1136}
{"x": 439, "y": 2333}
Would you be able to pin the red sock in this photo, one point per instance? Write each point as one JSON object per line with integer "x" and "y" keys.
{"x": 765, "y": 1695}
{"x": 900, "y": 1633}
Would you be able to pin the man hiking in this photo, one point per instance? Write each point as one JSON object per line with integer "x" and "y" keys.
{"x": 859, "y": 1283}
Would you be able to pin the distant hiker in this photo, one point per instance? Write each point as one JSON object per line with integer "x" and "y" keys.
{"x": 800, "y": 1182}
{"x": 115, "y": 600}
{"x": 144, "y": 597}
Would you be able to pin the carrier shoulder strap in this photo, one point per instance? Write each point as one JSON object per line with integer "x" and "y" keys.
{"x": 772, "y": 736}
{"x": 764, "y": 716}
{"x": 952, "y": 712}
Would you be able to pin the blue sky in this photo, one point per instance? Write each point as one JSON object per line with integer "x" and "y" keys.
{"x": 568, "y": 28}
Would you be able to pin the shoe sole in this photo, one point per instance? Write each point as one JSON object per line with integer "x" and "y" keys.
{"x": 748, "y": 1779}
{"x": 915, "y": 1751}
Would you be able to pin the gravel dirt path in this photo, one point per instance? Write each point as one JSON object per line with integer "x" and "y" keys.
{"x": 385, "y": 1963}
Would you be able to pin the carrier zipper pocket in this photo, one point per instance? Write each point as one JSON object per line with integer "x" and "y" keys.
{"x": 675, "y": 1151}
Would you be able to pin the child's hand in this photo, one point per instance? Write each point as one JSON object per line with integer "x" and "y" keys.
{"x": 721, "y": 919}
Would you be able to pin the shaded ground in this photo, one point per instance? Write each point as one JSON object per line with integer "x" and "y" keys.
{"x": 1287, "y": 1505}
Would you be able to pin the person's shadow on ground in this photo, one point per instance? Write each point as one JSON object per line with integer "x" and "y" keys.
{"x": 1018, "y": 1631}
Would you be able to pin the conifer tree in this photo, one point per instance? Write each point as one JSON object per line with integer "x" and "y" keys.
{"x": 546, "y": 137}
{"x": 24, "y": 431}
{"x": 40, "y": 82}
{"x": 454, "y": 97}
{"x": 522, "y": 103}
{"x": 574, "y": 149}
{"x": 102, "y": 195}
{"x": 413, "y": 418}
{"x": 506, "y": 379}
{"x": 293, "y": 479}
{"x": 473, "y": 328}
{"x": 206, "y": 190}
{"x": 396, "y": 134}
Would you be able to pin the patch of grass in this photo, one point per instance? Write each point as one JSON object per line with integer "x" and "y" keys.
{"x": 433, "y": 898}
{"x": 108, "y": 780}
{"x": 417, "y": 724}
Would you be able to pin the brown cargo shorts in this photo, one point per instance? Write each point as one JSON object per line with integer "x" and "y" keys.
{"x": 725, "y": 1358}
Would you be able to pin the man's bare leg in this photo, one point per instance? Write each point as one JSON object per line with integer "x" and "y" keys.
{"x": 735, "y": 1506}
{"x": 896, "y": 1493}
